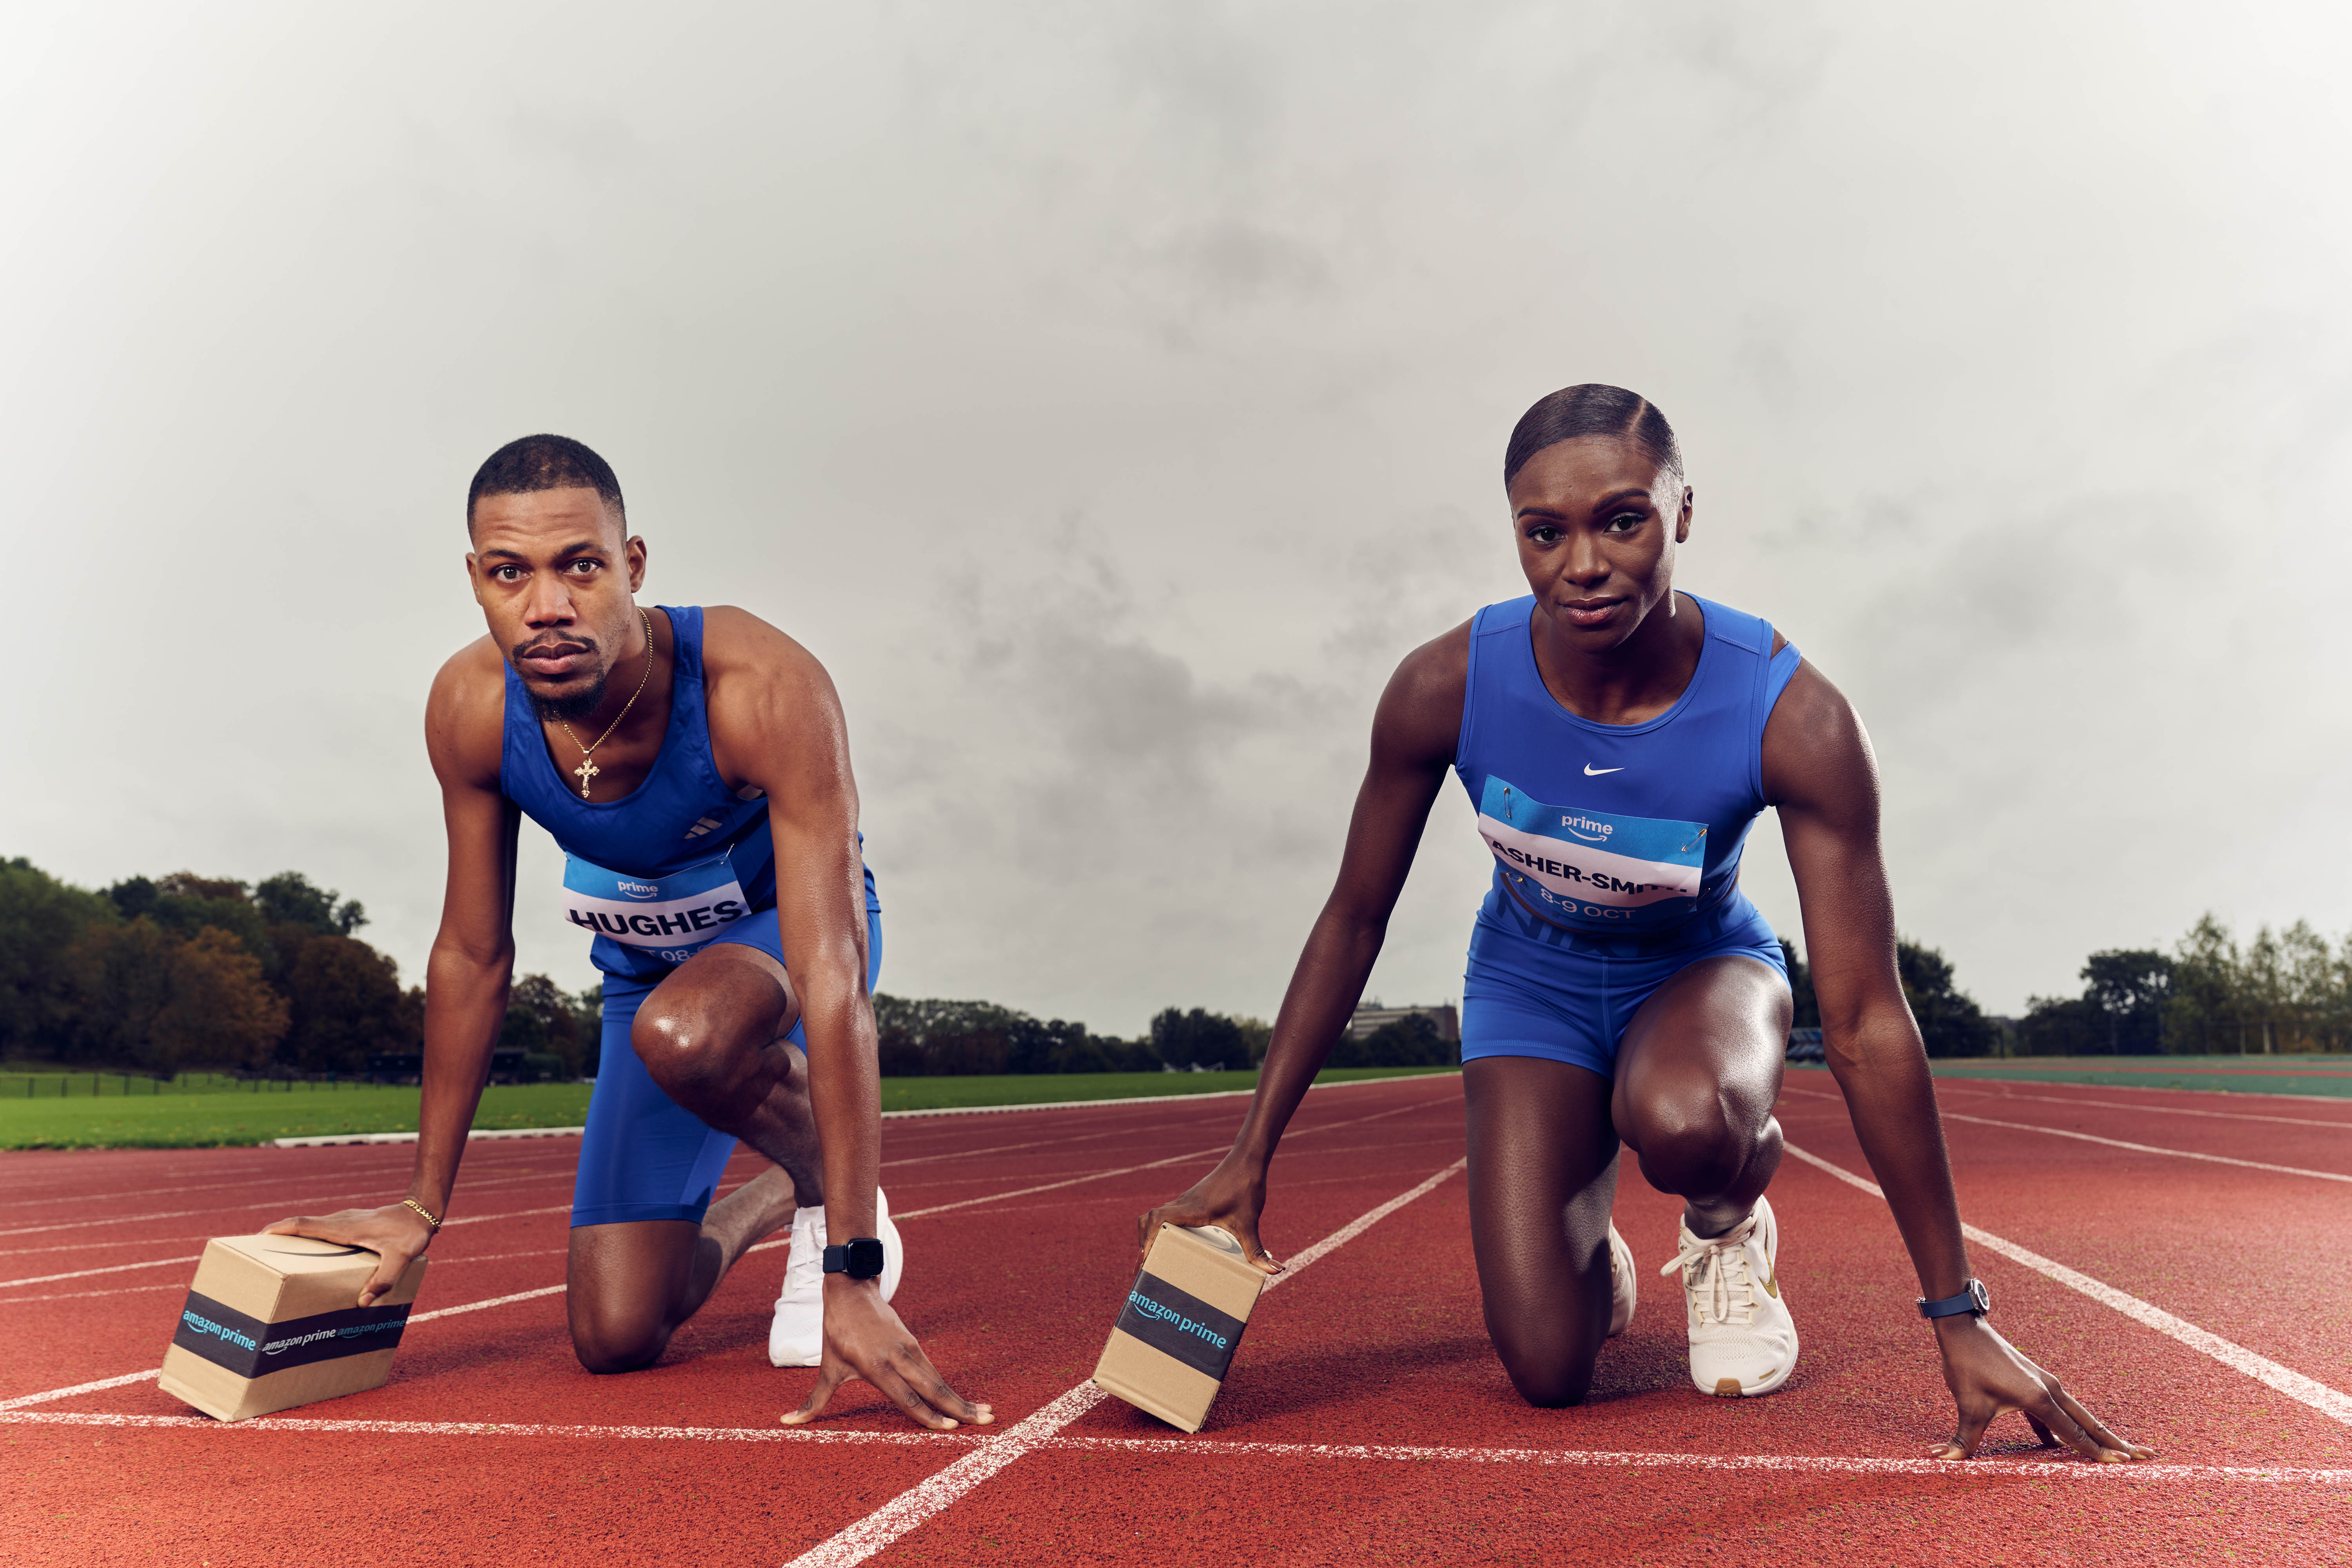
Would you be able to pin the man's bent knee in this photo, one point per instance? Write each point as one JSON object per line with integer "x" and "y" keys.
{"x": 604, "y": 1352}
{"x": 682, "y": 1045}
{"x": 1697, "y": 1143}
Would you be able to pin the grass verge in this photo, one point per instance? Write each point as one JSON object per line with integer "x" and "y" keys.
{"x": 204, "y": 1120}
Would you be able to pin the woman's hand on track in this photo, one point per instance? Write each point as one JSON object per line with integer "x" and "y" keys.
{"x": 1230, "y": 1198}
{"x": 1990, "y": 1377}
{"x": 396, "y": 1233}
{"x": 864, "y": 1338}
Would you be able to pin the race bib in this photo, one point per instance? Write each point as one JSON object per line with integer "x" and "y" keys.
{"x": 668, "y": 915}
{"x": 1593, "y": 868}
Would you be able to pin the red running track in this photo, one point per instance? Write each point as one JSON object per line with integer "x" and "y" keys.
{"x": 1366, "y": 1418}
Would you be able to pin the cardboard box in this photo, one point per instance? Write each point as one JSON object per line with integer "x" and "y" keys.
{"x": 1176, "y": 1335}
{"x": 270, "y": 1324}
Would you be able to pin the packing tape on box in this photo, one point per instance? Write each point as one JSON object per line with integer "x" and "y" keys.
{"x": 1179, "y": 1324}
{"x": 249, "y": 1347}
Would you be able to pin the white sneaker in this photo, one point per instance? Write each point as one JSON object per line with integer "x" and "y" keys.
{"x": 1622, "y": 1284}
{"x": 1742, "y": 1340}
{"x": 796, "y": 1337}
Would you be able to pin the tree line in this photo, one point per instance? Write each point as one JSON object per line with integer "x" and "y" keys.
{"x": 157, "y": 975}
{"x": 2281, "y": 990}
{"x": 922, "y": 1039}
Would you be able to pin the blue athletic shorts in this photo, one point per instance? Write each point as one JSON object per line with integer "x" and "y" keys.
{"x": 645, "y": 1156}
{"x": 1534, "y": 990}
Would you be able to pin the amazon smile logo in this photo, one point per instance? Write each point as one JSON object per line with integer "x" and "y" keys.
{"x": 1587, "y": 829}
{"x": 639, "y": 889}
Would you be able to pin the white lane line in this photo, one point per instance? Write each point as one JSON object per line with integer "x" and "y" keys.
{"x": 308, "y": 1426}
{"x": 232, "y": 1208}
{"x": 1959, "y": 1470}
{"x": 335, "y": 1139}
{"x": 1152, "y": 1165}
{"x": 918, "y": 1503}
{"x": 438, "y": 1263}
{"x": 1114, "y": 1170}
{"x": 85, "y": 1273}
{"x": 24, "y": 1399}
{"x": 78, "y": 1192}
{"x": 2149, "y": 1148}
{"x": 193, "y": 1256}
{"x": 1212, "y": 1449}
{"x": 473, "y": 1134}
{"x": 2331, "y": 1403}
{"x": 128, "y": 1377}
{"x": 486, "y": 1175}
{"x": 87, "y": 1295}
{"x": 1949, "y": 1087}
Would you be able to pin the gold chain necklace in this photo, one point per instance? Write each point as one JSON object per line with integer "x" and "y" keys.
{"x": 588, "y": 770}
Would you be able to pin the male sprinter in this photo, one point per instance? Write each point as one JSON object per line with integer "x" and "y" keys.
{"x": 695, "y": 767}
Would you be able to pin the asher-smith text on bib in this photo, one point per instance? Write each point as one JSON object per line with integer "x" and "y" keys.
{"x": 1593, "y": 869}
{"x": 670, "y": 915}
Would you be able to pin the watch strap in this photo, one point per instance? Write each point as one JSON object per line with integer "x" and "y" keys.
{"x": 860, "y": 1258}
{"x": 1975, "y": 1300}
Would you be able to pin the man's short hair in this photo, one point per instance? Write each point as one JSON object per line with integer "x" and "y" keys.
{"x": 544, "y": 463}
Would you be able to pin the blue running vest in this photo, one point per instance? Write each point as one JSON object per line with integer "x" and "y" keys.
{"x": 673, "y": 863}
{"x": 1630, "y": 829}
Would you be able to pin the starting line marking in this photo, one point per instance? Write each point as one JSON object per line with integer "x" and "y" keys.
{"x": 918, "y": 1503}
{"x": 2331, "y": 1403}
{"x": 1212, "y": 1449}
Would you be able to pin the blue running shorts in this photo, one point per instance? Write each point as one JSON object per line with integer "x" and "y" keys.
{"x": 645, "y": 1156}
{"x": 1535, "y": 990}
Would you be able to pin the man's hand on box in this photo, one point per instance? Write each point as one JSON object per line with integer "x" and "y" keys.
{"x": 396, "y": 1233}
{"x": 1232, "y": 1197}
{"x": 864, "y": 1338}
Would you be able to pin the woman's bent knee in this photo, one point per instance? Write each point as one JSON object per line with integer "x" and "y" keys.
{"x": 1550, "y": 1382}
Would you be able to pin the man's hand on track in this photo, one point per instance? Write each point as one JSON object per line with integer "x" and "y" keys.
{"x": 864, "y": 1338}
{"x": 1990, "y": 1377}
{"x": 396, "y": 1233}
{"x": 1229, "y": 1199}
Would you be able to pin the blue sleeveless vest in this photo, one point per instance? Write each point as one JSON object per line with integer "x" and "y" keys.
{"x": 673, "y": 863}
{"x": 1625, "y": 829}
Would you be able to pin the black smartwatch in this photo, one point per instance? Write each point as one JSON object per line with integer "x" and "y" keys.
{"x": 1975, "y": 1300}
{"x": 860, "y": 1258}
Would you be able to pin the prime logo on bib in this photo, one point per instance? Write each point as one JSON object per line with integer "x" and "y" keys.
{"x": 668, "y": 915}
{"x": 1593, "y": 868}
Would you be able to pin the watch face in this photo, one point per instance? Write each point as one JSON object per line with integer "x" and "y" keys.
{"x": 865, "y": 1258}
{"x": 1982, "y": 1297}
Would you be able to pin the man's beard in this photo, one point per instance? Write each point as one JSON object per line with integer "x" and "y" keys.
{"x": 571, "y": 709}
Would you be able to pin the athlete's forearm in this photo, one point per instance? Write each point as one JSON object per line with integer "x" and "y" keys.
{"x": 1883, "y": 1071}
{"x": 465, "y": 1002}
{"x": 1323, "y": 992}
{"x": 845, "y": 1101}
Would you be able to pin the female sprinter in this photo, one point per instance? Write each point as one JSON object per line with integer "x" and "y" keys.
{"x": 1617, "y": 738}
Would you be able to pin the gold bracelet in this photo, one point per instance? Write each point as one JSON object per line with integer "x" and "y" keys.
{"x": 427, "y": 1213}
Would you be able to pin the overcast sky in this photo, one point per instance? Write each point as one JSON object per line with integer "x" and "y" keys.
{"x": 1111, "y": 394}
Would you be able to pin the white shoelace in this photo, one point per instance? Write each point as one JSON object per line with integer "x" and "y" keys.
{"x": 1715, "y": 1280}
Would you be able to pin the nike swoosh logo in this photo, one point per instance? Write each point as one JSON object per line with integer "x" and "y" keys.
{"x": 1772, "y": 1286}
{"x": 1592, "y": 773}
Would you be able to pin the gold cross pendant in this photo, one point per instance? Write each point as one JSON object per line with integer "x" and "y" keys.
{"x": 586, "y": 770}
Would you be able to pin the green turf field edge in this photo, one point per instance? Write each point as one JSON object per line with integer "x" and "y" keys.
{"x": 216, "y": 1121}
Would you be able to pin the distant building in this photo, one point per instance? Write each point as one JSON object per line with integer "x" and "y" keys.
{"x": 1371, "y": 1017}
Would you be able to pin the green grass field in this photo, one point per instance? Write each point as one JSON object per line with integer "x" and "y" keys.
{"x": 2327, "y": 1077}
{"x": 211, "y": 1117}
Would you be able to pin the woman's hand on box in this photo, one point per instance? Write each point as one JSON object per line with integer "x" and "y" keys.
{"x": 396, "y": 1233}
{"x": 1231, "y": 1197}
